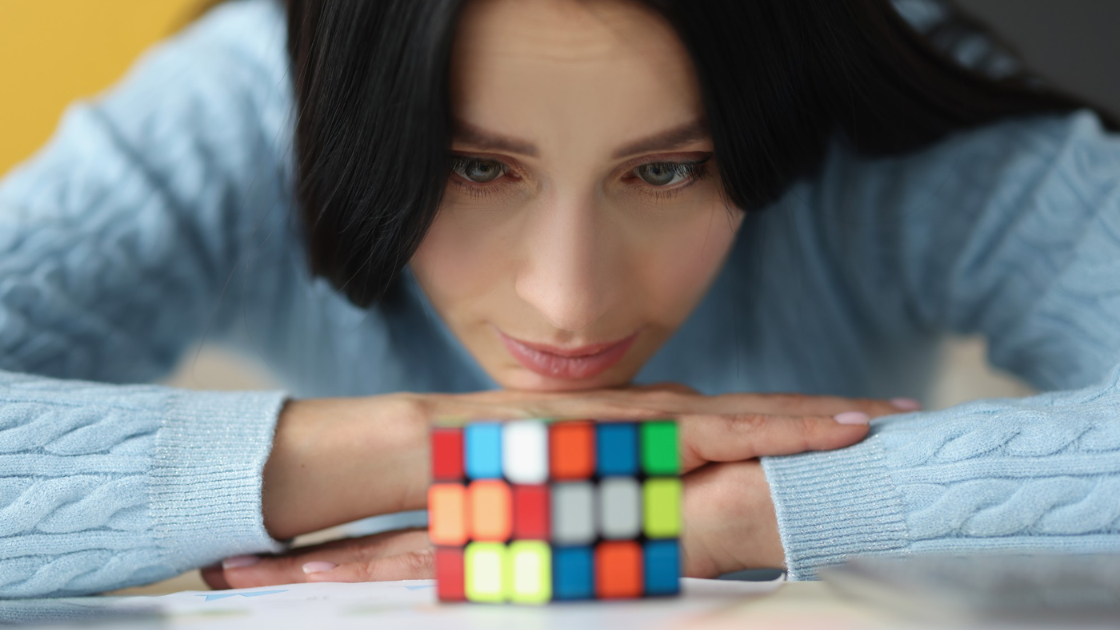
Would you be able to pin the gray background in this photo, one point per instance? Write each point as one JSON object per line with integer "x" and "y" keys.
{"x": 1073, "y": 43}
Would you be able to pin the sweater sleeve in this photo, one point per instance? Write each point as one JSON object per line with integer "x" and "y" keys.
{"x": 1012, "y": 232}
{"x": 116, "y": 245}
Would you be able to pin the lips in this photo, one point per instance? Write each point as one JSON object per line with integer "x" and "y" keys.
{"x": 575, "y": 363}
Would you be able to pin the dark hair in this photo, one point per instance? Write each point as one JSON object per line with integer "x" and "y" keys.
{"x": 779, "y": 79}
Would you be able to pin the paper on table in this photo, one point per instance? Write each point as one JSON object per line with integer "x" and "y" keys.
{"x": 410, "y": 604}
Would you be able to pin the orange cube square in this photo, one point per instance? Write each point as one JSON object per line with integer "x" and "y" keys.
{"x": 618, "y": 569}
{"x": 447, "y": 514}
{"x": 491, "y": 510}
{"x": 571, "y": 450}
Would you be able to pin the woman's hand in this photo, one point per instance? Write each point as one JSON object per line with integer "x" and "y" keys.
{"x": 324, "y": 447}
{"x": 729, "y": 526}
{"x": 729, "y": 521}
{"x": 397, "y": 555}
{"x": 724, "y": 428}
{"x": 339, "y": 460}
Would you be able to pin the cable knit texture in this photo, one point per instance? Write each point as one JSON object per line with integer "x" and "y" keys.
{"x": 159, "y": 216}
{"x": 1038, "y": 474}
{"x": 109, "y": 485}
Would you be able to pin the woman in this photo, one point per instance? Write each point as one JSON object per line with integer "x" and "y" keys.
{"x": 546, "y": 198}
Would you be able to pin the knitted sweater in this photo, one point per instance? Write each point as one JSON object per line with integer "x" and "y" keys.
{"x": 160, "y": 215}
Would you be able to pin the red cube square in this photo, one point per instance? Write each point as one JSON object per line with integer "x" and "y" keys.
{"x": 447, "y": 454}
{"x": 530, "y": 512}
{"x": 449, "y": 574}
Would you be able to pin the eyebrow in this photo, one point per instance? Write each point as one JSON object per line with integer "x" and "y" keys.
{"x": 666, "y": 140}
{"x": 489, "y": 141}
{"x": 670, "y": 139}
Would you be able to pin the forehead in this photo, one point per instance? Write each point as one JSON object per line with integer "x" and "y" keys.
{"x": 530, "y": 66}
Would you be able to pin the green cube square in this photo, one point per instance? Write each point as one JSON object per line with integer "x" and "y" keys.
{"x": 659, "y": 448}
{"x": 661, "y": 507}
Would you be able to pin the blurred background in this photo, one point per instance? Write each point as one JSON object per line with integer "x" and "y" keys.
{"x": 55, "y": 51}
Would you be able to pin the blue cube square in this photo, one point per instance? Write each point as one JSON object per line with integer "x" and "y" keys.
{"x": 617, "y": 448}
{"x": 662, "y": 565}
{"x": 483, "y": 446}
{"x": 572, "y": 573}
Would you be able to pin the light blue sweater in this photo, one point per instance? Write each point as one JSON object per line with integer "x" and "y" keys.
{"x": 159, "y": 216}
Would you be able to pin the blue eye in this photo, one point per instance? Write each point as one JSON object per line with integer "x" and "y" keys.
{"x": 663, "y": 174}
{"x": 476, "y": 170}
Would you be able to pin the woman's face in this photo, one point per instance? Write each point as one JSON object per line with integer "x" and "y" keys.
{"x": 583, "y": 219}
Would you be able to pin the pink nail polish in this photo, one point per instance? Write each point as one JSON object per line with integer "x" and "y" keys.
{"x": 906, "y": 404}
{"x": 236, "y": 562}
{"x": 318, "y": 567}
{"x": 852, "y": 417}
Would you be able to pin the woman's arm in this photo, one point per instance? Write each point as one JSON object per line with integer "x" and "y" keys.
{"x": 319, "y": 473}
{"x": 116, "y": 244}
{"x": 104, "y": 486}
{"x": 1012, "y": 232}
{"x": 1029, "y": 475}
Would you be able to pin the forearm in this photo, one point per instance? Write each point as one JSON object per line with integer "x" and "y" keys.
{"x": 107, "y": 486}
{"x": 338, "y": 460}
{"x": 1034, "y": 474}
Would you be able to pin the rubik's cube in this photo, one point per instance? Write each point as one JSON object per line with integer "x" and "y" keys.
{"x": 532, "y": 511}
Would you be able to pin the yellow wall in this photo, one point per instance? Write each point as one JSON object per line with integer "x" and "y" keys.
{"x": 55, "y": 51}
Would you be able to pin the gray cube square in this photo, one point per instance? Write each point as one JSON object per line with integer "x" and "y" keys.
{"x": 573, "y": 513}
{"x": 620, "y": 508}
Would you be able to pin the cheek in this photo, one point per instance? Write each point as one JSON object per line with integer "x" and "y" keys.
{"x": 459, "y": 258}
{"x": 679, "y": 268}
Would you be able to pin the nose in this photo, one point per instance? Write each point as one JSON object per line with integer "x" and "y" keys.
{"x": 567, "y": 274}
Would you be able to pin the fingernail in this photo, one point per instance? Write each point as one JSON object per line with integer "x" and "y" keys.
{"x": 852, "y": 417}
{"x": 236, "y": 562}
{"x": 906, "y": 404}
{"x": 318, "y": 567}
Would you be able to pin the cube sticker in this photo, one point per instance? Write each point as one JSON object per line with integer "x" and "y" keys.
{"x": 533, "y": 511}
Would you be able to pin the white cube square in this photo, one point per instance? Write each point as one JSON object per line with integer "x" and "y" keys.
{"x": 525, "y": 451}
